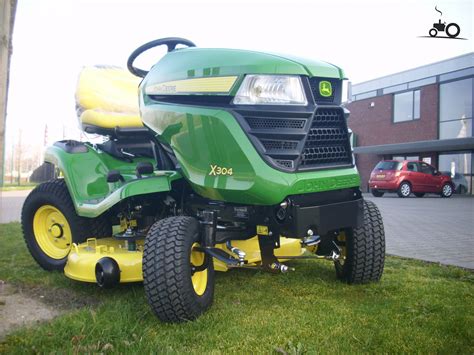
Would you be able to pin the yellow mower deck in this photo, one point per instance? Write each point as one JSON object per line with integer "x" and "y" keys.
{"x": 83, "y": 257}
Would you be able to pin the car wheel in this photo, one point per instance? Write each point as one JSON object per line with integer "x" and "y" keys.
{"x": 404, "y": 190}
{"x": 447, "y": 190}
{"x": 178, "y": 279}
{"x": 376, "y": 193}
{"x": 419, "y": 194}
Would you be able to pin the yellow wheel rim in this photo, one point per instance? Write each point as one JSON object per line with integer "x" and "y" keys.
{"x": 52, "y": 232}
{"x": 199, "y": 278}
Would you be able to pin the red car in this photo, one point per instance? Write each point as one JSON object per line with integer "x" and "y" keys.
{"x": 405, "y": 177}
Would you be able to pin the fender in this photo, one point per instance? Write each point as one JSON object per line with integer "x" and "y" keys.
{"x": 85, "y": 172}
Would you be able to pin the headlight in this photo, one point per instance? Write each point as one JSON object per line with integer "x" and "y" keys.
{"x": 271, "y": 90}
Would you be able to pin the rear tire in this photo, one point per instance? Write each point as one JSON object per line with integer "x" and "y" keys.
{"x": 364, "y": 249}
{"x": 447, "y": 191}
{"x": 457, "y": 29}
{"x": 419, "y": 194}
{"x": 376, "y": 193}
{"x": 50, "y": 224}
{"x": 174, "y": 293}
{"x": 404, "y": 190}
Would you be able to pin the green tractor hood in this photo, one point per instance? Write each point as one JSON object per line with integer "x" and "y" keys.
{"x": 203, "y": 62}
{"x": 186, "y": 100}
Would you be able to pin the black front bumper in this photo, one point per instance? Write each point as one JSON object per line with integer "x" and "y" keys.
{"x": 325, "y": 218}
{"x": 321, "y": 212}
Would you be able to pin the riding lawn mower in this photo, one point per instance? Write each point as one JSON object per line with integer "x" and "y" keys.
{"x": 227, "y": 159}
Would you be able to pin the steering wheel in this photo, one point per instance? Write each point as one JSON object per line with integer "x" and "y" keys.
{"x": 170, "y": 42}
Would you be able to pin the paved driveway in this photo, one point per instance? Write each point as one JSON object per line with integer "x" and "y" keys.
{"x": 429, "y": 228}
{"x": 10, "y": 205}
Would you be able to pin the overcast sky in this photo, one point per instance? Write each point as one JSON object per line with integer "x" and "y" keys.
{"x": 52, "y": 40}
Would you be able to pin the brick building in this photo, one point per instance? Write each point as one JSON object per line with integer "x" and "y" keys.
{"x": 423, "y": 113}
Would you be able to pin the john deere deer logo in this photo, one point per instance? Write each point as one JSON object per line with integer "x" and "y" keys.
{"x": 325, "y": 88}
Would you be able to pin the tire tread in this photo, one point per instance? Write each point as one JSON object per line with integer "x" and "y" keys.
{"x": 368, "y": 248}
{"x": 53, "y": 192}
{"x": 166, "y": 272}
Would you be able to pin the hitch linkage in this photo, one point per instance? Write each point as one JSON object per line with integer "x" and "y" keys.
{"x": 209, "y": 223}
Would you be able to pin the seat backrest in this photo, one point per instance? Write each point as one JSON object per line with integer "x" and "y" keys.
{"x": 107, "y": 88}
{"x": 107, "y": 98}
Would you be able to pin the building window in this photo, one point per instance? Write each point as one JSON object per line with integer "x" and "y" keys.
{"x": 455, "y": 129}
{"x": 406, "y": 106}
{"x": 455, "y": 111}
{"x": 405, "y": 157}
{"x": 459, "y": 167}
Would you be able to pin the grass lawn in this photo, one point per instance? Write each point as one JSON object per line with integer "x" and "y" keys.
{"x": 417, "y": 307}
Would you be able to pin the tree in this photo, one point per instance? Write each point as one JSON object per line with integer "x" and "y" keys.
{"x": 7, "y": 17}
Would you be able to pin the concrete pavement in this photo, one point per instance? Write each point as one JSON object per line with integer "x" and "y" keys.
{"x": 11, "y": 203}
{"x": 429, "y": 228}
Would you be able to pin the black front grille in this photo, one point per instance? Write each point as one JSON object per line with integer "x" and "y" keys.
{"x": 328, "y": 140}
{"x": 300, "y": 140}
{"x": 272, "y": 123}
{"x": 324, "y": 136}
{"x": 279, "y": 145}
{"x": 336, "y": 85}
{"x": 328, "y": 117}
{"x": 289, "y": 164}
{"x": 319, "y": 155}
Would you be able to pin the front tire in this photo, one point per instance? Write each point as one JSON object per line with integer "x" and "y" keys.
{"x": 447, "y": 191}
{"x": 363, "y": 249}
{"x": 174, "y": 292}
{"x": 50, "y": 224}
{"x": 404, "y": 190}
